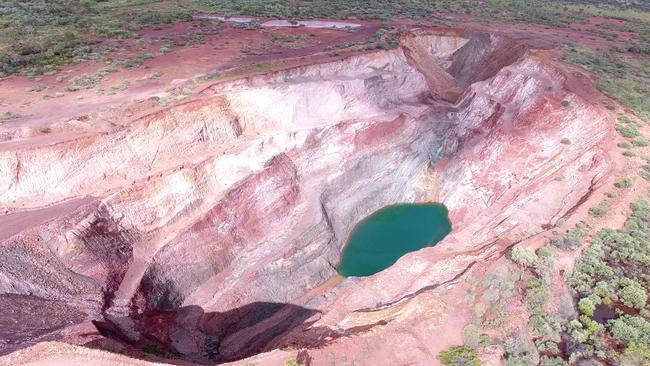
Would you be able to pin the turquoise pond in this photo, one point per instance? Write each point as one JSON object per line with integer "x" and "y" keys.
{"x": 380, "y": 239}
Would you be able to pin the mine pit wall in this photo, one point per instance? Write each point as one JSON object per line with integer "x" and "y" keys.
{"x": 499, "y": 185}
{"x": 382, "y": 160}
{"x": 185, "y": 171}
{"x": 248, "y": 194}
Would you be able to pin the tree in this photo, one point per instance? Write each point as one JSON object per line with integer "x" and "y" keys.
{"x": 586, "y": 306}
{"x": 553, "y": 361}
{"x": 537, "y": 299}
{"x": 544, "y": 327}
{"x": 635, "y": 355}
{"x": 524, "y": 257}
{"x": 630, "y": 329}
{"x": 520, "y": 351}
{"x": 633, "y": 296}
{"x": 459, "y": 356}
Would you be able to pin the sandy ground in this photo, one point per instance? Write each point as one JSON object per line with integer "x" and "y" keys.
{"x": 14, "y": 223}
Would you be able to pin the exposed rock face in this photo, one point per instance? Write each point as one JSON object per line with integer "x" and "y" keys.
{"x": 216, "y": 221}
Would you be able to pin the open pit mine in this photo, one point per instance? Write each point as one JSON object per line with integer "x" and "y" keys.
{"x": 211, "y": 231}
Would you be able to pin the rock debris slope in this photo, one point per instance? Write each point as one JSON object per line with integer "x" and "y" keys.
{"x": 213, "y": 229}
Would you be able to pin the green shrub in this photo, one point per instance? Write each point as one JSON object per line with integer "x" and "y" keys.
{"x": 624, "y": 145}
{"x": 538, "y": 299}
{"x": 629, "y": 153}
{"x": 630, "y": 329}
{"x": 135, "y": 61}
{"x": 471, "y": 336}
{"x": 85, "y": 81}
{"x": 545, "y": 254}
{"x": 547, "y": 347}
{"x": 459, "y": 356}
{"x": 570, "y": 240}
{"x": 640, "y": 142}
{"x": 545, "y": 327}
{"x": 624, "y": 119}
{"x": 586, "y": 306}
{"x": 599, "y": 211}
{"x": 565, "y": 103}
{"x": 565, "y": 141}
{"x": 519, "y": 351}
{"x": 7, "y": 116}
{"x": 625, "y": 182}
{"x": 633, "y": 295}
{"x": 524, "y": 257}
{"x": 627, "y": 130}
{"x": 552, "y": 361}
{"x": 292, "y": 362}
{"x": 635, "y": 355}
{"x": 154, "y": 75}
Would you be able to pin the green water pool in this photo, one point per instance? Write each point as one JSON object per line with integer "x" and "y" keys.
{"x": 380, "y": 239}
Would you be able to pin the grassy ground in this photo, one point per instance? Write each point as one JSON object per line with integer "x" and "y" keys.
{"x": 37, "y": 36}
{"x": 622, "y": 77}
{"x": 344, "y": 9}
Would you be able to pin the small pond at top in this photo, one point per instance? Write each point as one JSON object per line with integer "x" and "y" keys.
{"x": 380, "y": 239}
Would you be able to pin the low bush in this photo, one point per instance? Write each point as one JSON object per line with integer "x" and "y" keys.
{"x": 292, "y": 362}
{"x": 524, "y": 257}
{"x": 519, "y": 351}
{"x": 599, "y": 211}
{"x": 85, "y": 81}
{"x": 552, "y": 361}
{"x": 544, "y": 327}
{"x": 571, "y": 239}
{"x": 625, "y": 182}
{"x": 630, "y": 329}
{"x": 537, "y": 299}
{"x": 459, "y": 356}
{"x": 627, "y": 130}
{"x": 613, "y": 273}
{"x": 586, "y": 306}
{"x": 38, "y": 36}
{"x": 621, "y": 78}
{"x": 633, "y": 295}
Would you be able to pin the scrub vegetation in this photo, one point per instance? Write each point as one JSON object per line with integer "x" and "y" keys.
{"x": 459, "y": 356}
{"x": 346, "y": 9}
{"x": 606, "y": 320}
{"x": 612, "y": 280}
{"x": 38, "y": 36}
{"x": 623, "y": 78}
